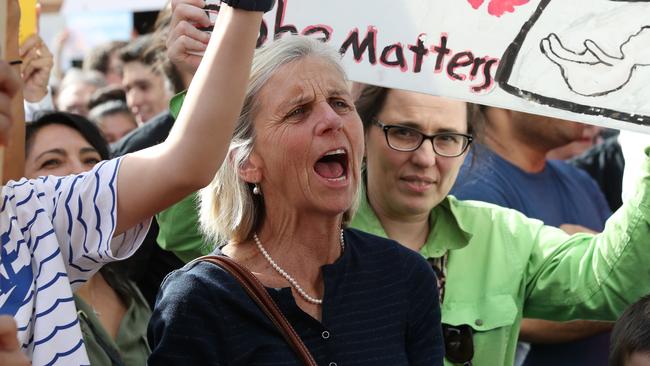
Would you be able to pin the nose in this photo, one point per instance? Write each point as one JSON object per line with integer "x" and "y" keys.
{"x": 134, "y": 99}
{"x": 328, "y": 119}
{"x": 424, "y": 156}
{"x": 75, "y": 166}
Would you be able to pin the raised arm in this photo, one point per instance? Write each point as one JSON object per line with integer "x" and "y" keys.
{"x": 152, "y": 179}
{"x": 587, "y": 276}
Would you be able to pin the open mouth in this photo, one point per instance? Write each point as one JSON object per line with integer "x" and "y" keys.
{"x": 333, "y": 165}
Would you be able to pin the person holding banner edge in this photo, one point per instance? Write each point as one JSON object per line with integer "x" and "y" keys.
{"x": 499, "y": 265}
{"x": 48, "y": 248}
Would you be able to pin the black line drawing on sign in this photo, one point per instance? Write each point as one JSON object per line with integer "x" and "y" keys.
{"x": 593, "y": 74}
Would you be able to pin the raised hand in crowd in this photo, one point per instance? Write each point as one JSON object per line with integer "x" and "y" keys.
{"x": 230, "y": 51}
{"x": 37, "y": 64}
{"x": 10, "y": 354}
{"x": 186, "y": 43}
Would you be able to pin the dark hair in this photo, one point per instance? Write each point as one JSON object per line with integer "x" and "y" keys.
{"x": 631, "y": 333}
{"x": 110, "y": 108}
{"x": 372, "y": 100}
{"x": 99, "y": 57}
{"x": 106, "y": 94}
{"x": 151, "y": 50}
{"x": 138, "y": 49}
{"x": 87, "y": 129}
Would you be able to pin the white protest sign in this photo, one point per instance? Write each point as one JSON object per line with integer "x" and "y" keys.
{"x": 583, "y": 60}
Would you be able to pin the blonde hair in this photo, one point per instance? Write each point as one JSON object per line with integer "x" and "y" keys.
{"x": 229, "y": 210}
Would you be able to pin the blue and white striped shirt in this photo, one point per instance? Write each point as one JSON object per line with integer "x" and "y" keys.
{"x": 56, "y": 233}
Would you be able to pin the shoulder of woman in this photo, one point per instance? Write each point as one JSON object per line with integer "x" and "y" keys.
{"x": 196, "y": 277}
{"x": 369, "y": 242}
{"x": 383, "y": 249}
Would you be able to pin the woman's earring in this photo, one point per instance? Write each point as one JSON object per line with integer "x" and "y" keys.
{"x": 256, "y": 190}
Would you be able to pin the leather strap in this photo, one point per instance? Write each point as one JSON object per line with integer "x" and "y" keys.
{"x": 258, "y": 293}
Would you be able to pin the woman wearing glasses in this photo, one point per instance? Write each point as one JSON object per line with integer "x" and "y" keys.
{"x": 494, "y": 264}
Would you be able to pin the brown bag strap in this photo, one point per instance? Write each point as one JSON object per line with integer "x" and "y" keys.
{"x": 258, "y": 293}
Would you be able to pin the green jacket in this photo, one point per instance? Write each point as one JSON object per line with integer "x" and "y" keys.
{"x": 503, "y": 266}
{"x": 131, "y": 345}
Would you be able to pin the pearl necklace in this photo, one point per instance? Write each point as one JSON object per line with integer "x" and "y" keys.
{"x": 288, "y": 277}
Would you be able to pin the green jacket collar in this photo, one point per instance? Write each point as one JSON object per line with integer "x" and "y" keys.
{"x": 444, "y": 225}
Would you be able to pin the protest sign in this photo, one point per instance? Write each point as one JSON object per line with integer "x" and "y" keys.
{"x": 582, "y": 60}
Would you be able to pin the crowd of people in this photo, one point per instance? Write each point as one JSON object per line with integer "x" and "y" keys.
{"x": 389, "y": 227}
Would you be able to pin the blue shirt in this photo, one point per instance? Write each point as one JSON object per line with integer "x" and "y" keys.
{"x": 559, "y": 194}
{"x": 380, "y": 307}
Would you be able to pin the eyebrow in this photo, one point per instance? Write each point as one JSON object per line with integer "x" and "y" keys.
{"x": 86, "y": 150}
{"x": 57, "y": 151}
{"x": 302, "y": 98}
{"x": 52, "y": 151}
{"x": 415, "y": 126}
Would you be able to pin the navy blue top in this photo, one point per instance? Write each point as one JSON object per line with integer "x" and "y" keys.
{"x": 380, "y": 307}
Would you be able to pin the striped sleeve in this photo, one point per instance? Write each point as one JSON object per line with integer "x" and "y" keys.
{"x": 84, "y": 217}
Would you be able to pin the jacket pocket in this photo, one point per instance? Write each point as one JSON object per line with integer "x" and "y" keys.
{"x": 482, "y": 315}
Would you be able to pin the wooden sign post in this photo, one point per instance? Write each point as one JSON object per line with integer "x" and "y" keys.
{"x": 3, "y": 44}
{"x": 13, "y": 161}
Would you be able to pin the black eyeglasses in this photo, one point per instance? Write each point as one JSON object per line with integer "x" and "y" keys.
{"x": 447, "y": 144}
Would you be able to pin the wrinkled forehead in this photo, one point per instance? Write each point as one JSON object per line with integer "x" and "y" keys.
{"x": 303, "y": 80}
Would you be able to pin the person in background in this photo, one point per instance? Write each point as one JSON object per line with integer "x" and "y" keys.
{"x": 147, "y": 93}
{"x": 108, "y": 93}
{"x": 106, "y": 60}
{"x": 113, "y": 314}
{"x": 512, "y": 170}
{"x": 109, "y": 111}
{"x": 76, "y": 90}
{"x": 591, "y": 136}
{"x": 630, "y": 345}
{"x": 114, "y": 119}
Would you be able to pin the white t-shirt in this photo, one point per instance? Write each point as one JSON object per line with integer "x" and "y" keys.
{"x": 56, "y": 232}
